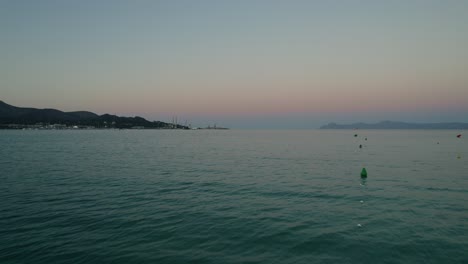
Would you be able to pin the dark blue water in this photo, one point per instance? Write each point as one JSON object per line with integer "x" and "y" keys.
{"x": 136, "y": 196}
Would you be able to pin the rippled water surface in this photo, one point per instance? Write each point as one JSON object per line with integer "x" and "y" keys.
{"x": 158, "y": 196}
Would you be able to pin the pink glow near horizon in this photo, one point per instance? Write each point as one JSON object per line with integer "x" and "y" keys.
{"x": 280, "y": 58}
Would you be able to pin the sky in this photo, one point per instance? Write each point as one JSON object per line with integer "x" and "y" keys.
{"x": 241, "y": 64}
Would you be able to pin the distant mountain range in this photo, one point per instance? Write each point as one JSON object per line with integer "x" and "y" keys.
{"x": 396, "y": 125}
{"x": 13, "y": 117}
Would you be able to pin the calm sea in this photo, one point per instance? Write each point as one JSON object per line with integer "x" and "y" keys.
{"x": 207, "y": 196}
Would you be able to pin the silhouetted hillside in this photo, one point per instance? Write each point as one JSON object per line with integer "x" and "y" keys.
{"x": 9, "y": 113}
{"x": 29, "y": 116}
{"x": 396, "y": 125}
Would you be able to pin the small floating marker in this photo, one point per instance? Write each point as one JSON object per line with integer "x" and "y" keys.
{"x": 355, "y": 135}
{"x": 459, "y": 136}
{"x": 359, "y": 225}
{"x": 362, "y": 201}
{"x": 458, "y": 157}
{"x": 360, "y": 146}
{"x": 363, "y": 173}
{"x": 365, "y": 139}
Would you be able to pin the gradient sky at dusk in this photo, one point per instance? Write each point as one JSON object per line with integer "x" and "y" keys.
{"x": 246, "y": 63}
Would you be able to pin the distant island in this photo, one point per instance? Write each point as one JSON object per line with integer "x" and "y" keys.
{"x": 12, "y": 117}
{"x": 396, "y": 125}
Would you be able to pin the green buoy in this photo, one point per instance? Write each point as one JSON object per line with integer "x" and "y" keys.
{"x": 363, "y": 173}
{"x": 355, "y": 135}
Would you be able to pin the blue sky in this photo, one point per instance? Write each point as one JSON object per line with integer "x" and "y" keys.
{"x": 246, "y": 64}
